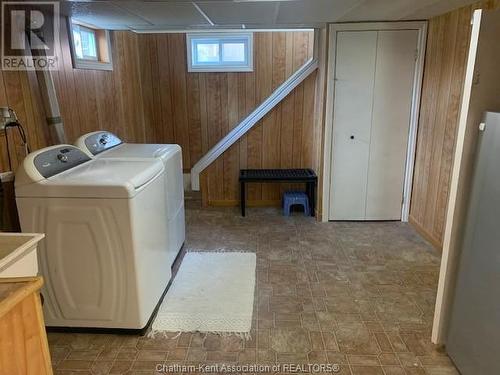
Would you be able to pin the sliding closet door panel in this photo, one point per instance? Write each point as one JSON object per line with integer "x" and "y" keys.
{"x": 348, "y": 198}
{"x": 354, "y": 81}
{"x": 395, "y": 71}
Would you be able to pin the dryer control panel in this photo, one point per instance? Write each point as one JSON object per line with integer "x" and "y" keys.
{"x": 101, "y": 141}
{"x": 59, "y": 159}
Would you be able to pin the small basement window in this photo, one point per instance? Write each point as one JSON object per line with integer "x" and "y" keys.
{"x": 220, "y": 52}
{"x": 90, "y": 47}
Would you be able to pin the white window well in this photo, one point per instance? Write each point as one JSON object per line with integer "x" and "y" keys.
{"x": 220, "y": 52}
{"x": 90, "y": 47}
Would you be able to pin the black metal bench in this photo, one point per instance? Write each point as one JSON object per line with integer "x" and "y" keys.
{"x": 279, "y": 175}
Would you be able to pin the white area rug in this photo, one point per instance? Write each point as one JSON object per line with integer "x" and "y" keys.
{"x": 212, "y": 292}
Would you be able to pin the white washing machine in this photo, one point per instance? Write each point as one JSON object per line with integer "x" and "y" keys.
{"x": 103, "y": 144}
{"x": 105, "y": 258}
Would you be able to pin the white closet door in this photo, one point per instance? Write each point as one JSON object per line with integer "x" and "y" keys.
{"x": 354, "y": 82}
{"x": 395, "y": 71}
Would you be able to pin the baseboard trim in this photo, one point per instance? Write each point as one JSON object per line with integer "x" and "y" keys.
{"x": 436, "y": 243}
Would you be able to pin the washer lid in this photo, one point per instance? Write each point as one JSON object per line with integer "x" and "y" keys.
{"x": 100, "y": 178}
{"x": 139, "y": 150}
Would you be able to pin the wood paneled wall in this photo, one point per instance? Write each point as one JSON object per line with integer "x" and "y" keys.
{"x": 19, "y": 90}
{"x": 196, "y": 110}
{"x": 150, "y": 97}
{"x": 97, "y": 99}
{"x": 447, "y": 48}
{"x": 89, "y": 99}
{"x": 282, "y": 139}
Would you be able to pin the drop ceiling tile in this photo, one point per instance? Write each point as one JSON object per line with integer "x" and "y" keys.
{"x": 177, "y": 14}
{"x": 102, "y": 14}
{"x": 165, "y": 13}
{"x": 317, "y": 11}
{"x": 226, "y": 12}
{"x": 384, "y": 10}
{"x": 437, "y": 8}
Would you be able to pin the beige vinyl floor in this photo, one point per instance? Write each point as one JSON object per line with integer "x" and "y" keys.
{"x": 360, "y": 295}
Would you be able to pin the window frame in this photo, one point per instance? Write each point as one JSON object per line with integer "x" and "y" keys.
{"x": 90, "y": 31}
{"x": 100, "y": 63}
{"x": 220, "y": 38}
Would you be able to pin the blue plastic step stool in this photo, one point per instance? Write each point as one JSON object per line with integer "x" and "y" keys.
{"x": 291, "y": 198}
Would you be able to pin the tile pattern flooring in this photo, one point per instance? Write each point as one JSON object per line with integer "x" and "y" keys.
{"x": 357, "y": 294}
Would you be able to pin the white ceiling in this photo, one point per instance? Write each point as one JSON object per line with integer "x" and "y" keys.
{"x": 207, "y": 14}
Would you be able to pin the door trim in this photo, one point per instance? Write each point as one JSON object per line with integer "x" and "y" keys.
{"x": 421, "y": 27}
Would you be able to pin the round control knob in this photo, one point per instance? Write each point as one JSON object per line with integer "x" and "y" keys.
{"x": 352, "y": 137}
{"x": 62, "y": 158}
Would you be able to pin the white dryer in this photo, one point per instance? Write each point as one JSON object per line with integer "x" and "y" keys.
{"x": 105, "y": 257}
{"x": 103, "y": 144}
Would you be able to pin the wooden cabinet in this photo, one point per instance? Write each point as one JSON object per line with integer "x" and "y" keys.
{"x": 23, "y": 342}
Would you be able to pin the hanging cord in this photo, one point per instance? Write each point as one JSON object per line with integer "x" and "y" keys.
{"x": 22, "y": 134}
